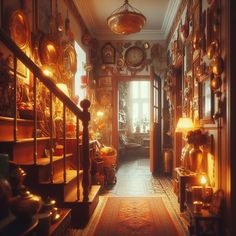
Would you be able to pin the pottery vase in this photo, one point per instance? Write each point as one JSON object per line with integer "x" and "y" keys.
{"x": 196, "y": 157}
{"x": 25, "y": 205}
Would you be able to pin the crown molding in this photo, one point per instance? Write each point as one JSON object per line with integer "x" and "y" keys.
{"x": 170, "y": 16}
{"x": 142, "y": 35}
{"x": 86, "y": 15}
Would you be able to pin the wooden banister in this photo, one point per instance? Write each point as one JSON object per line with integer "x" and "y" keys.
{"x": 84, "y": 115}
{"x": 39, "y": 74}
{"x": 85, "y": 104}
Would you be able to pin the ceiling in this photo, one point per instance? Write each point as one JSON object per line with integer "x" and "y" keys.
{"x": 159, "y": 14}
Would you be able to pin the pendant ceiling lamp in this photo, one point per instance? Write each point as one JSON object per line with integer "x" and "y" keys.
{"x": 126, "y": 20}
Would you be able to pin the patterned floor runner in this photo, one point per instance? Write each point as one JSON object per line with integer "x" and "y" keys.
{"x": 135, "y": 216}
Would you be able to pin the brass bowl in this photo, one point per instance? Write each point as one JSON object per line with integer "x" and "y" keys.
{"x": 217, "y": 65}
{"x": 216, "y": 82}
{"x": 212, "y": 49}
{"x": 48, "y": 50}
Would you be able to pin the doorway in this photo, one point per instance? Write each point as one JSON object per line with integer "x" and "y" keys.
{"x": 133, "y": 119}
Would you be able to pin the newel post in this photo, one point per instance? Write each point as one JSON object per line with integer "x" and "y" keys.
{"x": 85, "y": 104}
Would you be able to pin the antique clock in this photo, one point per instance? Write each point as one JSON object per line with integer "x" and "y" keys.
{"x": 134, "y": 56}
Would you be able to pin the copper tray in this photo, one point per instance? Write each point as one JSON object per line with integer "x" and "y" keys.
{"x": 68, "y": 63}
{"x": 19, "y": 29}
{"x": 48, "y": 50}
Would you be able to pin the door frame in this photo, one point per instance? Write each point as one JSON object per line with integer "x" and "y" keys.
{"x": 115, "y": 81}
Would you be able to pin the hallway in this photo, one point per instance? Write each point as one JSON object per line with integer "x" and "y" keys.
{"x": 135, "y": 180}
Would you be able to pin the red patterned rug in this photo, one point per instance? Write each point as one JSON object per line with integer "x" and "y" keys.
{"x": 136, "y": 216}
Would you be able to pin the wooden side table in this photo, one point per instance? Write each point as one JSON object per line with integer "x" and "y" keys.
{"x": 184, "y": 177}
{"x": 203, "y": 223}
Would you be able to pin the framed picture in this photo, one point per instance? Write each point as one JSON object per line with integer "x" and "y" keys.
{"x": 21, "y": 69}
{"x": 108, "y": 54}
{"x": 206, "y": 101}
{"x": 196, "y": 11}
{"x": 196, "y": 63}
{"x": 211, "y": 20}
{"x": 43, "y": 13}
{"x": 188, "y": 56}
{"x": 188, "y": 94}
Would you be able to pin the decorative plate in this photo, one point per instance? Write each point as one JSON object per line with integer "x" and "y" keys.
{"x": 70, "y": 59}
{"x": 134, "y": 56}
{"x": 48, "y": 50}
{"x": 19, "y": 29}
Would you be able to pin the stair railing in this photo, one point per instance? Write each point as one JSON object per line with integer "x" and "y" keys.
{"x": 83, "y": 116}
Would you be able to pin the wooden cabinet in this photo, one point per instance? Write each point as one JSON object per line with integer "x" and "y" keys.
{"x": 184, "y": 177}
{"x": 203, "y": 223}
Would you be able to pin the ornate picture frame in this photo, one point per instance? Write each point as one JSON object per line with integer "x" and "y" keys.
{"x": 42, "y": 13}
{"x": 196, "y": 64}
{"x": 108, "y": 54}
{"x": 196, "y": 12}
{"x": 212, "y": 33}
{"x": 206, "y": 101}
{"x": 188, "y": 56}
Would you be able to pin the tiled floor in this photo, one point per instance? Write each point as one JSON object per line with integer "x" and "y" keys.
{"x": 134, "y": 178}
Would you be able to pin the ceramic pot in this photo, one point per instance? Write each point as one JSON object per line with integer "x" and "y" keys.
{"x": 25, "y": 205}
{"x": 196, "y": 156}
{"x": 5, "y": 194}
{"x": 16, "y": 178}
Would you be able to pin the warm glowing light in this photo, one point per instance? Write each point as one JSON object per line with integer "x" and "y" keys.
{"x": 47, "y": 71}
{"x": 100, "y": 113}
{"x": 184, "y": 124}
{"x": 63, "y": 88}
{"x": 203, "y": 180}
{"x": 126, "y": 20}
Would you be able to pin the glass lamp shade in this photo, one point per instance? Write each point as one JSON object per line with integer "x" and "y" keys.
{"x": 126, "y": 22}
{"x": 184, "y": 124}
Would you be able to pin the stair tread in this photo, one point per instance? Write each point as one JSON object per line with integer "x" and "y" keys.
{"x": 24, "y": 140}
{"x": 4, "y": 118}
{"x": 92, "y": 194}
{"x": 43, "y": 161}
{"x": 46, "y": 160}
{"x": 59, "y": 179}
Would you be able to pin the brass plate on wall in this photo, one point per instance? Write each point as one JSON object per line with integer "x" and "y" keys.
{"x": 19, "y": 29}
{"x": 48, "y": 50}
{"x": 70, "y": 59}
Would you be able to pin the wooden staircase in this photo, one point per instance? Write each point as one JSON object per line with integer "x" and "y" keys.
{"x": 66, "y": 178}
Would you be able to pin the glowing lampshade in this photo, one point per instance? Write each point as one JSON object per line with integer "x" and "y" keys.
{"x": 63, "y": 88}
{"x": 203, "y": 180}
{"x": 184, "y": 124}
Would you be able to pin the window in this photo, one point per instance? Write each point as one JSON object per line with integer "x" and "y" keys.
{"x": 79, "y": 90}
{"x": 140, "y": 106}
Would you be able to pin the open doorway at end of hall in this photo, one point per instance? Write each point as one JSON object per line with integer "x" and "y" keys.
{"x": 133, "y": 119}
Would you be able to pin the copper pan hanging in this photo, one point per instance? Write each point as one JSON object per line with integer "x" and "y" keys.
{"x": 48, "y": 50}
{"x": 19, "y": 29}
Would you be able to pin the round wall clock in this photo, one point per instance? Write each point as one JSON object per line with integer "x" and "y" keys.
{"x": 134, "y": 56}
